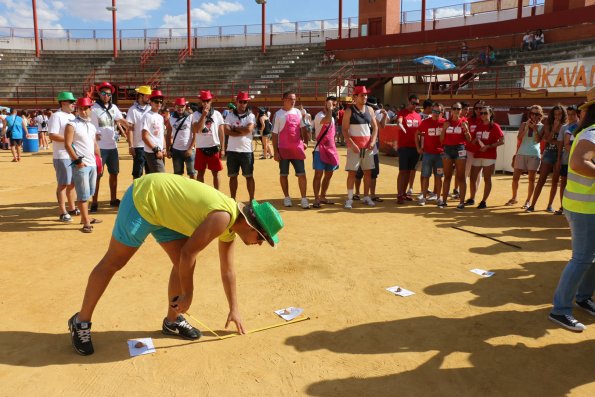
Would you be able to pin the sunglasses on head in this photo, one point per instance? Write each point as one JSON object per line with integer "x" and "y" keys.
{"x": 242, "y": 102}
{"x": 106, "y": 93}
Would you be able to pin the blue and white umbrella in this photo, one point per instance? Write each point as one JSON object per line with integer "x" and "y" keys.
{"x": 435, "y": 62}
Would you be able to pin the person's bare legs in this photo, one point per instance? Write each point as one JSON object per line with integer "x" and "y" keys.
{"x": 173, "y": 250}
{"x": 447, "y": 164}
{"x": 326, "y": 181}
{"x": 544, "y": 171}
{"x": 460, "y": 179}
{"x": 554, "y": 188}
{"x": 116, "y": 257}
{"x": 367, "y": 182}
{"x": 531, "y": 186}
{"x": 284, "y": 182}
{"x": 487, "y": 181}
{"x": 516, "y": 176}
{"x": 216, "y": 179}
{"x": 113, "y": 186}
{"x": 316, "y": 185}
{"x": 200, "y": 176}
{"x": 233, "y": 186}
{"x": 303, "y": 185}
{"x": 251, "y": 186}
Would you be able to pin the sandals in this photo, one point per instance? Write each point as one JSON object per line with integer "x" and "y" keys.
{"x": 325, "y": 201}
{"x": 559, "y": 212}
{"x": 356, "y": 197}
{"x": 95, "y": 221}
{"x": 87, "y": 229}
{"x": 377, "y": 199}
{"x": 316, "y": 204}
{"x": 511, "y": 202}
{"x": 527, "y": 205}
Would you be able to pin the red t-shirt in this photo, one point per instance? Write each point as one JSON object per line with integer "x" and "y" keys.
{"x": 431, "y": 129}
{"x": 411, "y": 122}
{"x": 488, "y": 136}
{"x": 472, "y": 146}
{"x": 455, "y": 133}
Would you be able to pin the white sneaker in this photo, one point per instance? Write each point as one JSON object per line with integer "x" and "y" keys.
{"x": 348, "y": 204}
{"x": 287, "y": 202}
{"x": 420, "y": 196}
{"x": 368, "y": 201}
{"x": 433, "y": 197}
{"x": 304, "y": 203}
{"x": 421, "y": 201}
{"x": 409, "y": 192}
{"x": 439, "y": 202}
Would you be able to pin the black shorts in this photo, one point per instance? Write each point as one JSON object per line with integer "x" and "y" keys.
{"x": 408, "y": 158}
{"x": 16, "y": 142}
{"x": 237, "y": 160}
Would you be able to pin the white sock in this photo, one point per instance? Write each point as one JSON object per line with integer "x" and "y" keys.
{"x": 349, "y": 194}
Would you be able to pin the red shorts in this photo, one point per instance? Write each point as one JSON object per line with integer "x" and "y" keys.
{"x": 202, "y": 161}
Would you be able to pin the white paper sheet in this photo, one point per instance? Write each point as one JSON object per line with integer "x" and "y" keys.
{"x": 482, "y": 273}
{"x": 147, "y": 348}
{"x": 400, "y": 291}
{"x": 289, "y": 313}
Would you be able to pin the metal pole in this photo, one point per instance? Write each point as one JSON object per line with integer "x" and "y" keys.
{"x": 36, "y": 31}
{"x": 188, "y": 28}
{"x": 340, "y": 19}
{"x": 114, "y": 28}
{"x": 423, "y": 15}
{"x": 264, "y": 18}
{"x": 519, "y": 10}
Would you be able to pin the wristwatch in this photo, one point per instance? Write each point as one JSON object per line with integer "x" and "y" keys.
{"x": 156, "y": 149}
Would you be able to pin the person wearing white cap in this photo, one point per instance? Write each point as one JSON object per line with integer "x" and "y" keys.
{"x": 180, "y": 139}
{"x": 135, "y": 139}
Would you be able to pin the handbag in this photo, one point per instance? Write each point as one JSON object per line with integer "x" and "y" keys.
{"x": 209, "y": 151}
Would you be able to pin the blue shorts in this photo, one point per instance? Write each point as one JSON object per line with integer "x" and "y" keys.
{"x": 110, "y": 158}
{"x": 319, "y": 165}
{"x": 132, "y": 229}
{"x": 432, "y": 162}
{"x": 84, "y": 182}
{"x": 454, "y": 152}
{"x": 549, "y": 157}
{"x": 298, "y": 166}
{"x": 63, "y": 171}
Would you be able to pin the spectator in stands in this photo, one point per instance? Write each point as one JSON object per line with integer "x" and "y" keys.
{"x": 41, "y": 121}
{"x": 16, "y": 128}
{"x": 325, "y": 159}
{"x": 105, "y": 116}
{"x": 454, "y": 136}
{"x": 553, "y": 135}
{"x": 265, "y": 128}
{"x": 81, "y": 145}
{"x": 489, "y": 56}
{"x": 153, "y": 134}
{"x": 488, "y": 136}
{"x": 538, "y": 39}
{"x": 428, "y": 143}
{"x": 207, "y": 126}
{"x": 528, "y": 155}
{"x": 360, "y": 131}
{"x": 569, "y": 134}
{"x": 528, "y": 41}
{"x": 239, "y": 125}
{"x": 134, "y": 135}
{"x": 289, "y": 138}
{"x": 408, "y": 121}
{"x": 180, "y": 139}
{"x": 464, "y": 52}
{"x": 577, "y": 281}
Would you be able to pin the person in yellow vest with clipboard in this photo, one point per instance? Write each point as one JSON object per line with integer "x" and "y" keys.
{"x": 578, "y": 278}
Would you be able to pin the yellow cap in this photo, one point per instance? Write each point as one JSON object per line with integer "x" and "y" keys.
{"x": 590, "y": 99}
{"x": 144, "y": 89}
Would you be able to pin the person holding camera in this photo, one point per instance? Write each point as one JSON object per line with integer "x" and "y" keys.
{"x": 180, "y": 139}
{"x": 153, "y": 128}
{"x": 207, "y": 127}
{"x": 239, "y": 125}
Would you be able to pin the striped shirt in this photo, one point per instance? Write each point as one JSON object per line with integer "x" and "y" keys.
{"x": 360, "y": 129}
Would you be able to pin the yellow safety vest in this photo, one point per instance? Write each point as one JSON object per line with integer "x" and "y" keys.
{"x": 579, "y": 195}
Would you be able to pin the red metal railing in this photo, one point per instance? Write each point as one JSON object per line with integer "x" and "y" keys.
{"x": 149, "y": 52}
{"x": 182, "y": 55}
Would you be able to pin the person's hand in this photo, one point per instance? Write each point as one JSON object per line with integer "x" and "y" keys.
{"x": 222, "y": 153}
{"x": 159, "y": 155}
{"x": 353, "y": 146}
{"x": 188, "y": 153}
{"x": 131, "y": 151}
{"x": 234, "y": 316}
{"x": 168, "y": 154}
{"x": 276, "y": 156}
{"x": 371, "y": 145}
{"x": 420, "y": 151}
{"x": 97, "y": 137}
{"x": 205, "y": 109}
{"x": 483, "y": 148}
{"x": 81, "y": 165}
{"x": 181, "y": 303}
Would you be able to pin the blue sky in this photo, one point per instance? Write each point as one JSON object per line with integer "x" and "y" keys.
{"x": 140, "y": 14}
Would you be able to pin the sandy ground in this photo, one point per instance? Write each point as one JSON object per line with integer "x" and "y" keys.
{"x": 459, "y": 335}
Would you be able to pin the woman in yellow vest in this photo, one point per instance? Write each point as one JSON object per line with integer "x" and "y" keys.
{"x": 578, "y": 278}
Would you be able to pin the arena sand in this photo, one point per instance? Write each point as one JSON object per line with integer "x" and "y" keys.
{"x": 458, "y": 335}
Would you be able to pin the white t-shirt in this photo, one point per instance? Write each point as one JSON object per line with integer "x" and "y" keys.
{"x": 134, "y": 116}
{"x": 83, "y": 141}
{"x": 184, "y": 136}
{"x": 56, "y": 125}
{"x": 153, "y": 123}
{"x": 588, "y": 135}
{"x": 280, "y": 115}
{"x": 242, "y": 144}
{"x": 318, "y": 126}
{"x": 39, "y": 121}
{"x": 210, "y": 137}
{"x": 105, "y": 122}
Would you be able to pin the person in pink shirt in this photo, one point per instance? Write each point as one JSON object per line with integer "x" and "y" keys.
{"x": 488, "y": 137}
{"x": 408, "y": 120}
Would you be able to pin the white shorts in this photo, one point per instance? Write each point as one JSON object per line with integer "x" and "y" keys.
{"x": 483, "y": 162}
{"x": 363, "y": 159}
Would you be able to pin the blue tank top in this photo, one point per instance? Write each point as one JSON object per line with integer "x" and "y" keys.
{"x": 528, "y": 145}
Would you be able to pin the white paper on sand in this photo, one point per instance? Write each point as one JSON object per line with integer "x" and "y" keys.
{"x": 482, "y": 273}
{"x": 147, "y": 348}
{"x": 400, "y": 291}
{"x": 289, "y": 313}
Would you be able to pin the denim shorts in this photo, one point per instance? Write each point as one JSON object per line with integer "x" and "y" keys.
{"x": 237, "y": 160}
{"x": 319, "y": 165}
{"x": 132, "y": 229}
{"x": 110, "y": 158}
{"x": 432, "y": 162}
{"x": 549, "y": 156}
{"x": 179, "y": 160}
{"x": 153, "y": 163}
{"x": 16, "y": 142}
{"x": 408, "y": 158}
{"x": 454, "y": 152}
{"x": 84, "y": 182}
{"x": 63, "y": 171}
{"x": 298, "y": 166}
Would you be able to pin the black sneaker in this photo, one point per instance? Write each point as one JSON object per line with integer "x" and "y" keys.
{"x": 74, "y": 212}
{"x": 181, "y": 328}
{"x": 461, "y": 206}
{"x": 80, "y": 334}
{"x": 114, "y": 203}
{"x": 587, "y": 305}
{"x": 567, "y": 322}
{"x": 470, "y": 202}
{"x": 93, "y": 208}
{"x": 482, "y": 205}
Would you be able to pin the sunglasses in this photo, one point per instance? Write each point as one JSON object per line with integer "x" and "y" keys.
{"x": 436, "y": 111}
{"x": 414, "y": 103}
{"x": 535, "y": 114}
{"x": 476, "y": 108}
{"x": 484, "y": 113}
{"x": 457, "y": 108}
{"x": 106, "y": 93}
{"x": 242, "y": 102}
{"x": 157, "y": 100}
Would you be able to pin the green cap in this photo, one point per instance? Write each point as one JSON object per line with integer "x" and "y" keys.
{"x": 264, "y": 218}
{"x": 66, "y": 96}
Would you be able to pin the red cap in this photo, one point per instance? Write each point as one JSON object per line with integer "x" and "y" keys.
{"x": 205, "y": 95}
{"x": 156, "y": 94}
{"x": 180, "y": 102}
{"x": 84, "y": 102}
{"x": 105, "y": 84}
{"x": 361, "y": 89}
{"x": 243, "y": 96}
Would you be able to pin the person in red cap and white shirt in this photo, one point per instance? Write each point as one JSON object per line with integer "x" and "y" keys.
{"x": 81, "y": 144}
{"x": 290, "y": 137}
{"x": 208, "y": 130}
{"x": 105, "y": 115}
{"x": 180, "y": 139}
{"x": 239, "y": 125}
{"x": 135, "y": 136}
{"x": 153, "y": 133}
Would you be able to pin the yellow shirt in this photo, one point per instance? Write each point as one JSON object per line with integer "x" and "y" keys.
{"x": 180, "y": 204}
